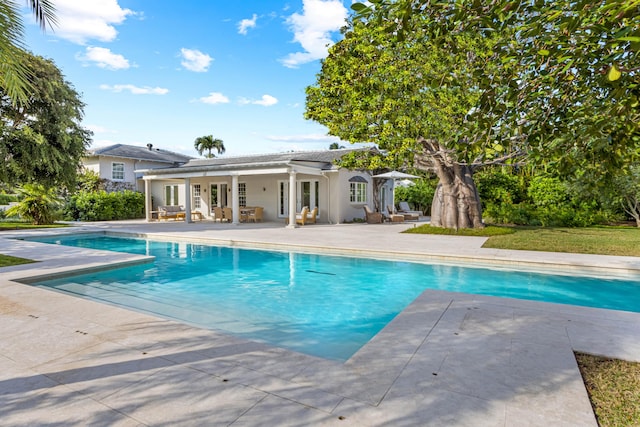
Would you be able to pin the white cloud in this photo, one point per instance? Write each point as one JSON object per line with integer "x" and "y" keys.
{"x": 136, "y": 90}
{"x": 194, "y": 60}
{"x": 215, "y": 98}
{"x": 313, "y": 29}
{"x": 82, "y": 20}
{"x": 245, "y": 24}
{"x": 104, "y": 58}
{"x": 265, "y": 101}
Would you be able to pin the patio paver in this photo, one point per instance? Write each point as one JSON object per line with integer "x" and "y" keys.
{"x": 447, "y": 359}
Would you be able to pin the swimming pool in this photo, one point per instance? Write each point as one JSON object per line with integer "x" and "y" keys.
{"x": 328, "y": 306}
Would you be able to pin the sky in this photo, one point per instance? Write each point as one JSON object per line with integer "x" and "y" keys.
{"x": 166, "y": 72}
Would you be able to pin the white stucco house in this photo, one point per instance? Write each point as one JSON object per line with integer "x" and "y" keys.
{"x": 282, "y": 183}
{"x": 119, "y": 162}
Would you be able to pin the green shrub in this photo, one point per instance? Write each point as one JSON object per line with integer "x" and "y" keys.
{"x": 5, "y": 199}
{"x": 38, "y": 204}
{"x": 103, "y": 206}
{"x": 419, "y": 195}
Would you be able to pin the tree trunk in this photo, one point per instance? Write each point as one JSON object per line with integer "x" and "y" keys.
{"x": 456, "y": 202}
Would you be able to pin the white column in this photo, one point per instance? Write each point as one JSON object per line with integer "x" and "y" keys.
{"x": 187, "y": 200}
{"x": 148, "y": 207}
{"x": 292, "y": 199}
{"x": 235, "y": 199}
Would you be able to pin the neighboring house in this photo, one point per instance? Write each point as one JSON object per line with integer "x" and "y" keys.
{"x": 119, "y": 163}
{"x": 281, "y": 183}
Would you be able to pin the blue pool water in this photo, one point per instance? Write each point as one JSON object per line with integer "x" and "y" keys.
{"x": 327, "y": 306}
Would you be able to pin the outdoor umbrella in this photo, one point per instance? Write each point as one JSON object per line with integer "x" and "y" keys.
{"x": 394, "y": 175}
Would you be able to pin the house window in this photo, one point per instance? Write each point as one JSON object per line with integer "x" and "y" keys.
{"x": 242, "y": 193}
{"x": 358, "y": 189}
{"x": 171, "y": 195}
{"x": 196, "y": 196}
{"x": 117, "y": 171}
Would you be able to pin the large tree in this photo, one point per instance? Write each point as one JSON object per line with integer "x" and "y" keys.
{"x": 557, "y": 81}
{"x": 208, "y": 143}
{"x": 15, "y": 76}
{"x": 42, "y": 141}
{"x": 417, "y": 99}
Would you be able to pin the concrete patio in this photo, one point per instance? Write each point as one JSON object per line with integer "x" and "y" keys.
{"x": 448, "y": 359}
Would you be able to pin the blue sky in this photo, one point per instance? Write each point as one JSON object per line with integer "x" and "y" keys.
{"x": 166, "y": 72}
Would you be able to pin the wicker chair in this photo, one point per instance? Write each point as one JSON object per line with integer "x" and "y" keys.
{"x": 371, "y": 216}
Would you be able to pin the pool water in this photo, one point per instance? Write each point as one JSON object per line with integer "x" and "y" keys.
{"x": 327, "y": 306}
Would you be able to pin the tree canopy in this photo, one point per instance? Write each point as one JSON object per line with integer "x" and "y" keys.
{"x": 42, "y": 141}
{"x": 208, "y": 143}
{"x": 15, "y": 75}
{"x": 576, "y": 96}
{"x": 454, "y": 85}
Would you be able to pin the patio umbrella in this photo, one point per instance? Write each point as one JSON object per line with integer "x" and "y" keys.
{"x": 395, "y": 175}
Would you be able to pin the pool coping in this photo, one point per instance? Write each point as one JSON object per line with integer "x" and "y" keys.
{"x": 366, "y": 385}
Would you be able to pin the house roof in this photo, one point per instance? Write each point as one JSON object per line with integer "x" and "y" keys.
{"x": 324, "y": 156}
{"x": 319, "y": 160}
{"x": 141, "y": 153}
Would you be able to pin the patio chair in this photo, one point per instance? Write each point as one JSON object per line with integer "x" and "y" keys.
{"x": 371, "y": 216}
{"x": 301, "y": 218}
{"x": 217, "y": 214}
{"x": 311, "y": 216}
{"x": 407, "y": 212}
{"x": 394, "y": 217}
{"x": 256, "y": 215}
{"x": 227, "y": 214}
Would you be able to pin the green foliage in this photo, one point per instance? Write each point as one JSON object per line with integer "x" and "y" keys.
{"x": 208, "y": 143}
{"x": 5, "y": 199}
{"x": 42, "y": 141}
{"x": 38, "y": 204}
{"x": 576, "y": 97}
{"x": 89, "y": 181}
{"x": 419, "y": 195}
{"x": 103, "y": 206}
{"x": 539, "y": 200}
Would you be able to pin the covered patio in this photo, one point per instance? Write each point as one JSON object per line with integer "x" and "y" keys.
{"x": 282, "y": 184}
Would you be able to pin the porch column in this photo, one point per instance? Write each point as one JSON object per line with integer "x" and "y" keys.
{"x": 187, "y": 200}
{"x": 148, "y": 207}
{"x": 235, "y": 199}
{"x": 292, "y": 199}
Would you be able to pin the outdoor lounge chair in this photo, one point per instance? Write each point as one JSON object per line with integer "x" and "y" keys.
{"x": 371, "y": 216}
{"x": 408, "y": 213}
{"x": 311, "y": 216}
{"x": 301, "y": 218}
{"x": 394, "y": 217}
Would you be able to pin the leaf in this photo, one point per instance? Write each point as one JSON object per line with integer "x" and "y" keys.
{"x": 543, "y": 52}
{"x": 635, "y": 39}
{"x": 613, "y": 74}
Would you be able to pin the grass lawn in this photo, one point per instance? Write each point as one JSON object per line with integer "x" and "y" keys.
{"x": 614, "y": 389}
{"x": 593, "y": 240}
{"x": 17, "y": 225}
{"x": 7, "y": 260}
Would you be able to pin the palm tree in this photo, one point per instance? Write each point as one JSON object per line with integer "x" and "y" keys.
{"x": 335, "y": 146}
{"x": 14, "y": 73}
{"x": 38, "y": 204}
{"x": 208, "y": 143}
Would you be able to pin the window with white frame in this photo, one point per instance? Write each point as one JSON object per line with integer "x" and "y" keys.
{"x": 242, "y": 193}
{"x": 117, "y": 171}
{"x": 171, "y": 195}
{"x": 197, "y": 203}
{"x": 358, "y": 187}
